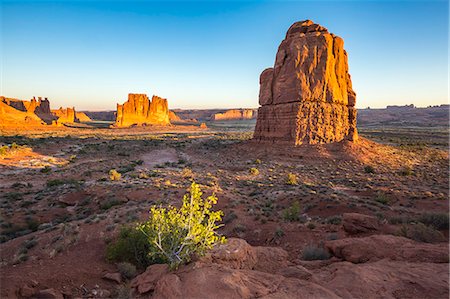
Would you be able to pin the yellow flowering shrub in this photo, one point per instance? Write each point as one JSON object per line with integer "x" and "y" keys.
{"x": 175, "y": 235}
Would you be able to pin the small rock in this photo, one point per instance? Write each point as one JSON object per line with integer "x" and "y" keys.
{"x": 117, "y": 277}
{"x": 355, "y": 223}
{"x": 49, "y": 294}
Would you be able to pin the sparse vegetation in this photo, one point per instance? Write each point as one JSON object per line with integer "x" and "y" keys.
{"x": 313, "y": 252}
{"x": 114, "y": 175}
{"x": 421, "y": 233}
{"x": 254, "y": 171}
{"x": 292, "y": 213}
{"x": 174, "y": 235}
{"x": 369, "y": 169}
{"x": 131, "y": 246}
{"x": 292, "y": 179}
{"x": 127, "y": 270}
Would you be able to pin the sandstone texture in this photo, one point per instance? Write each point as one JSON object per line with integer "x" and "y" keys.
{"x": 235, "y": 114}
{"x": 173, "y": 117}
{"x": 139, "y": 110}
{"x": 238, "y": 270}
{"x": 35, "y": 112}
{"x": 82, "y": 117}
{"x": 65, "y": 115}
{"x": 354, "y": 223}
{"x": 307, "y": 97}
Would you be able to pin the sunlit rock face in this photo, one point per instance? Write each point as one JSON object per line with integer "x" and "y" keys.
{"x": 307, "y": 97}
{"x": 139, "y": 110}
{"x": 235, "y": 114}
{"x": 65, "y": 115}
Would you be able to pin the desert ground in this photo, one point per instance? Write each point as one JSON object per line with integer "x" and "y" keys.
{"x": 60, "y": 209}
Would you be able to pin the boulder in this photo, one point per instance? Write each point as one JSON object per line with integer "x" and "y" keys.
{"x": 354, "y": 223}
{"x": 116, "y": 277}
{"x": 377, "y": 247}
{"x": 139, "y": 110}
{"x": 146, "y": 281}
{"x": 49, "y": 294}
{"x": 236, "y": 254}
{"x": 386, "y": 279}
{"x": 307, "y": 97}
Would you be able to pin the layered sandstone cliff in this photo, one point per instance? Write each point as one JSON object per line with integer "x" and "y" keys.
{"x": 307, "y": 97}
{"x": 66, "y": 115}
{"x": 139, "y": 110}
{"x": 235, "y": 114}
{"x": 19, "y": 113}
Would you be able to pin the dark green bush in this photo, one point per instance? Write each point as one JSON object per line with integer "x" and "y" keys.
{"x": 293, "y": 212}
{"x": 437, "y": 220}
{"x": 132, "y": 247}
{"x": 313, "y": 252}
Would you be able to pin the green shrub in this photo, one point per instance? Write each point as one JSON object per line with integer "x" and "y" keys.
{"x": 405, "y": 171}
{"x": 175, "y": 235}
{"x": 292, "y": 179}
{"x": 293, "y": 212}
{"x": 132, "y": 247}
{"x": 421, "y": 233}
{"x": 313, "y": 252}
{"x": 369, "y": 169}
{"x": 382, "y": 198}
{"x": 46, "y": 169}
{"x": 254, "y": 171}
{"x": 127, "y": 270}
{"x": 437, "y": 220}
{"x": 336, "y": 220}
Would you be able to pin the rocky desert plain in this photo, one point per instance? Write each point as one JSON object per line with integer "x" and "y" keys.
{"x": 320, "y": 200}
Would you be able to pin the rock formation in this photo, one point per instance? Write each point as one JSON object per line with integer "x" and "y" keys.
{"x": 235, "y": 114}
{"x": 12, "y": 115}
{"x": 139, "y": 110}
{"x": 82, "y": 117}
{"x": 307, "y": 97}
{"x": 65, "y": 116}
{"x": 19, "y": 113}
{"x": 173, "y": 117}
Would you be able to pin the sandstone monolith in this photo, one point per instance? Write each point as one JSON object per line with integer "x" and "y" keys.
{"x": 307, "y": 97}
{"x": 139, "y": 110}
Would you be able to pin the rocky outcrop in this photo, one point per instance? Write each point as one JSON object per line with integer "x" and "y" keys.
{"x": 11, "y": 116}
{"x": 354, "y": 223}
{"x": 238, "y": 270}
{"x": 235, "y": 114}
{"x": 65, "y": 115}
{"x": 173, "y": 117}
{"x": 307, "y": 97}
{"x": 82, "y": 117}
{"x": 376, "y": 247}
{"x": 139, "y": 110}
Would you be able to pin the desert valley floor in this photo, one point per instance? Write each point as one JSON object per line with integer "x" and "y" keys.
{"x": 60, "y": 209}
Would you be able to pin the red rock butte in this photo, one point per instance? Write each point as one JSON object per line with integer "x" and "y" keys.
{"x": 307, "y": 97}
{"x": 139, "y": 110}
{"x": 19, "y": 113}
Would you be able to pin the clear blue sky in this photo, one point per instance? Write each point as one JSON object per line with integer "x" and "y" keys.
{"x": 91, "y": 54}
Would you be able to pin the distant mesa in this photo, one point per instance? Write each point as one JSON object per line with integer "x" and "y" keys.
{"x": 35, "y": 112}
{"x": 235, "y": 114}
{"x": 307, "y": 97}
{"x": 139, "y": 110}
